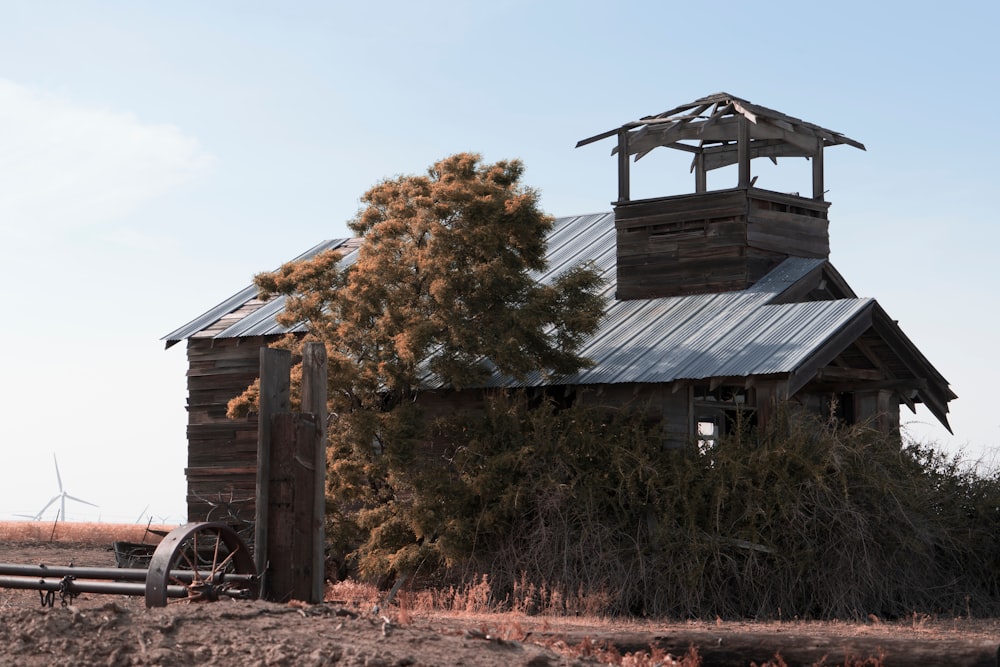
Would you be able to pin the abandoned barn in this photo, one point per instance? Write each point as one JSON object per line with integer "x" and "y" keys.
{"x": 719, "y": 302}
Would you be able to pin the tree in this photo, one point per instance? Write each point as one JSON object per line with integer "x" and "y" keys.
{"x": 443, "y": 292}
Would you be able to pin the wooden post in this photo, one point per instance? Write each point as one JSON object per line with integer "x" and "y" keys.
{"x": 291, "y": 538}
{"x": 763, "y": 402}
{"x": 700, "y": 176}
{"x": 743, "y": 150}
{"x": 623, "y": 177}
{"x": 817, "y": 160}
{"x": 275, "y": 382}
{"x": 314, "y": 394}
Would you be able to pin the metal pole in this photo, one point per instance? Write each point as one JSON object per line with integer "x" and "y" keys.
{"x": 112, "y": 573}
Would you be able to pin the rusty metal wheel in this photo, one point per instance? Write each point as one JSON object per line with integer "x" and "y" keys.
{"x": 200, "y": 562}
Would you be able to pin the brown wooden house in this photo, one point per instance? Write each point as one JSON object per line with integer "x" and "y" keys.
{"x": 719, "y": 302}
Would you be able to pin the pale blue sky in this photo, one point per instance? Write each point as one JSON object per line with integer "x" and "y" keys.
{"x": 154, "y": 156}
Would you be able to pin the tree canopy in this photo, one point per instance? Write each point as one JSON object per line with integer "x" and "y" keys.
{"x": 442, "y": 284}
{"x": 444, "y": 288}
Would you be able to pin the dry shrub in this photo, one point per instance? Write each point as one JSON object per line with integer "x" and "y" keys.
{"x": 529, "y": 598}
{"x": 353, "y": 592}
{"x": 583, "y": 512}
{"x": 472, "y": 597}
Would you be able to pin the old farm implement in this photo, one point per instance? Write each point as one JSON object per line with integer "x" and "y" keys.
{"x": 200, "y": 562}
{"x": 210, "y": 561}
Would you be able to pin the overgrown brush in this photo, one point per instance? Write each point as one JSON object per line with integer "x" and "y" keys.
{"x": 586, "y": 511}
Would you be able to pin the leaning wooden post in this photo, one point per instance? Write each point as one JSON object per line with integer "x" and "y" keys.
{"x": 314, "y": 381}
{"x": 275, "y": 383}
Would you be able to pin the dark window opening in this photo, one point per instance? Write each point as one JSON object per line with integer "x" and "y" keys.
{"x": 560, "y": 397}
{"x": 841, "y": 407}
{"x": 723, "y": 411}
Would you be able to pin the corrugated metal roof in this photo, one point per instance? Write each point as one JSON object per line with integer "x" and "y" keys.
{"x": 240, "y": 299}
{"x": 704, "y": 336}
{"x": 730, "y": 334}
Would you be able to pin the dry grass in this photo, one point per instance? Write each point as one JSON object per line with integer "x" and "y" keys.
{"x": 474, "y": 603}
{"x": 512, "y": 619}
{"x": 353, "y": 593}
{"x": 93, "y": 534}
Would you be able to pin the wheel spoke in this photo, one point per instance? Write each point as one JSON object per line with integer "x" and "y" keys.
{"x": 183, "y": 554}
{"x": 215, "y": 554}
{"x": 197, "y": 560}
{"x": 225, "y": 561}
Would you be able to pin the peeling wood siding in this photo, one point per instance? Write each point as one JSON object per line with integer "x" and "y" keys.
{"x": 713, "y": 242}
{"x": 222, "y": 453}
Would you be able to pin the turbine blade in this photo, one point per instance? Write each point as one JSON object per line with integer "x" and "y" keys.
{"x": 81, "y": 500}
{"x": 47, "y": 505}
{"x": 58, "y": 476}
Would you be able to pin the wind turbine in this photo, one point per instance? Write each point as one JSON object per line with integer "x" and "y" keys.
{"x": 61, "y": 497}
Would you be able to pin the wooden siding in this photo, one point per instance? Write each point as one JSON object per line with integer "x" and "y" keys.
{"x": 713, "y": 242}
{"x": 222, "y": 453}
{"x": 661, "y": 402}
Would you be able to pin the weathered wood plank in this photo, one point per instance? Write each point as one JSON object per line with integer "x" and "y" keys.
{"x": 275, "y": 385}
{"x": 799, "y": 247}
{"x": 290, "y": 507}
{"x": 789, "y": 218}
{"x": 216, "y": 472}
{"x": 314, "y": 395}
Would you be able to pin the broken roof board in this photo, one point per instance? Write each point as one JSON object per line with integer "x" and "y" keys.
{"x": 718, "y": 126}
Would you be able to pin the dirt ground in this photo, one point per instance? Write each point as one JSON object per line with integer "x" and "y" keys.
{"x": 115, "y": 630}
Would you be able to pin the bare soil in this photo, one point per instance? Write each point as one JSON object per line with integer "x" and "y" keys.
{"x": 115, "y": 630}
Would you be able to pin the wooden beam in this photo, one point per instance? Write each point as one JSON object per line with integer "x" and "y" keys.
{"x": 896, "y": 386}
{"x": 726, "y": 154}
{"x": 314, "y": 394}
{"x": 596, "y": 137}
{"x": 837, "y": 373}
{"x": 700, "y": 175}
{"x": 623, "y": 175}
{"x": 275, "y": 385}
{"x": 727, "y": 129}
{"x": 290, "y": 565}
{"x": 818, "y": 171}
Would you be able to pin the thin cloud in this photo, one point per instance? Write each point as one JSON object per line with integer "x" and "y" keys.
{"x": 63, "y": 165}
